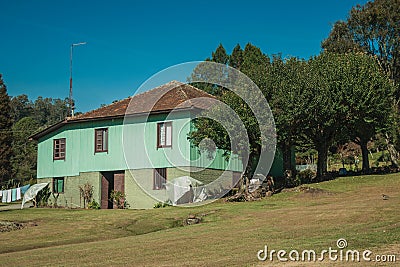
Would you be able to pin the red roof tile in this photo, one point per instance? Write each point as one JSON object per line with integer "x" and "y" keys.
{"x": 163, "y": 98}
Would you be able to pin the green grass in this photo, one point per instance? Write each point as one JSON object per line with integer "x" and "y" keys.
{"x": 230, "y": 233}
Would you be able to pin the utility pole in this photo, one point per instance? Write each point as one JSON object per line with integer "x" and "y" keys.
{"x": 71, "y": 101}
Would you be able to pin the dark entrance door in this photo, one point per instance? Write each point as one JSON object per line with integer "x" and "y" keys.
{"x": 119, "y": 185}
{"x": 111, "y": 181}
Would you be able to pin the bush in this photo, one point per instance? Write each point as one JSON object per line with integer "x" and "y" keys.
{"x": 86, "y": 192}
{"x": 118, "y": 198}
{"x": 161, "y": 205}
{"x": 93, "y": 205}
{"x": 42, "y": 197}
{"x": 305, "y": 177}
{"x": 384, "y": 157}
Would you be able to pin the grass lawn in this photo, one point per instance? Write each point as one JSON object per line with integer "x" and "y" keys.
{"x": 230, "y": 234}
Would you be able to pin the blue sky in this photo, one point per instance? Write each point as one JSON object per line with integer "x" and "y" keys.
{"x": 129, "y": 41}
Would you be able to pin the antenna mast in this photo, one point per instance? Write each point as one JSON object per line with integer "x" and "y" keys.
{"x": 71, "y": 107}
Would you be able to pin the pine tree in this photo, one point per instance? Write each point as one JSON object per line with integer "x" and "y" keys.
{"x": 220, "y": 55}
{"x": 236, "y": 59}
{"x": 5, "y": 134}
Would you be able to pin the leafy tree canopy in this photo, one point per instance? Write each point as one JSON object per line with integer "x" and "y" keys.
{"x": 5, "y": 134}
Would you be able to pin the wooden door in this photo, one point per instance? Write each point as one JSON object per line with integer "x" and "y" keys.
{"x": 119, "y": 185}
{"x": 104, "y": 192}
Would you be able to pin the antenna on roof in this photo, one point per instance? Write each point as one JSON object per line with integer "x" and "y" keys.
{"x": 71, "y": 107}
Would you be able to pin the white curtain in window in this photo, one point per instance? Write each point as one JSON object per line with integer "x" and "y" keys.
{"x": 168, "y": 135}
{"x": 162, "y": 134}
{"x": 105, "y": 139}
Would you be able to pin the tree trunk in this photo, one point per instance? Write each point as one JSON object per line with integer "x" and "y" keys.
{"x": 392, "y": 151}
{"x": 365, "y": 159}
{"x": 247, "y": 173}
{"x": 287, "y": 157}
{"x": 322, "y": 166}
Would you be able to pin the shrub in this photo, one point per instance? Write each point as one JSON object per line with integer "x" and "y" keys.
{"x": 305, "y": 177}
{"x": 292, "y": 182}
{"x": 161, "y": 205}
{"x": 93, "y": 205}
{"x": 86, "y": 192}
{"x": 384, "y": 157}
{"x": 118, "y": 198}
{"x": 42, "y": 197}
{"x": 376, "y": 163}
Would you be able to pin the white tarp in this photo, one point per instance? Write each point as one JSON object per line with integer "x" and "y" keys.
{"x": 200, "y": 194}
{"x": 184, "y": 190}
{"x": 256, "y": 182}
{"x": 32, "y": 192}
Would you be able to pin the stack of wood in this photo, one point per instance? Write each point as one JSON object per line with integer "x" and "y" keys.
{"x": 256, "y": 189}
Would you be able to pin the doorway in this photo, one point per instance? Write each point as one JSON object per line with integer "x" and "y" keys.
{"x": 111, "y": 180}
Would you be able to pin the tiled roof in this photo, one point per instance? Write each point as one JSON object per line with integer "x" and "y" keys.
{"x": 163, "y": 98}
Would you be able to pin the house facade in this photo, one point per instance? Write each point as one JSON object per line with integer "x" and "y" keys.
{"x": 133, "y": 146}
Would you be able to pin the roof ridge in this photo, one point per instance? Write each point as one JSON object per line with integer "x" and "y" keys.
{"x": 129, "y": 97}
{"x": 185, "y": 96}
{"x": 180, "y": 87}
{"x": 199, "y": 90}
{"x": 158, "y": 87}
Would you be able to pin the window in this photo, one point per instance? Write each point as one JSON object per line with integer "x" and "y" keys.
{"x": 58, "y": 185}
{"x": 164, "y": 134}
{"x": 59, "y": 149}
{"x": 159, "y": 178}
{"x": 101, "y": 140}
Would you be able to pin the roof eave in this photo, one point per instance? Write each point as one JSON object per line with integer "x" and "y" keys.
{"x": 58, "y": 125}
{"x": 47, "y": 130}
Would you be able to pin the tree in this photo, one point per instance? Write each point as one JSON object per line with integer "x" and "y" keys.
{"x": 287, "y": 79}
{"x": 21, "y": 107}
{"x": 340, "y": 40}
{"x": 345, "y": 94}
{"x": 323, "y": 113}
{"x": 59, "y": 110}
{"x": 220, "y": 55}
{"x": 369, "y": 100}
{"x": 6, "y": 134}
{"x": 254, "y": 64}
{"x": 373, "y": 28}
{"x": 236, "y": 58}
{"x": 48, "y": 111}
{"x": 212, "y": 129}
{"x": 376, "y": 28}
{"x": 42, "y": 107}
{"x": 24, "y": 150}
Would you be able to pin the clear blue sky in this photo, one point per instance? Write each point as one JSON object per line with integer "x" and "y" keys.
{"x": 129, "y": 41}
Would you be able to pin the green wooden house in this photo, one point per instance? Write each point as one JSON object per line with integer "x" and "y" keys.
{"x": 135, "y": 153}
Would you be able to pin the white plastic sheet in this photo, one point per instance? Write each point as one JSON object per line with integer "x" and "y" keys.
{"x": 179, "y": 187}
{"x": 32, "y": 192}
